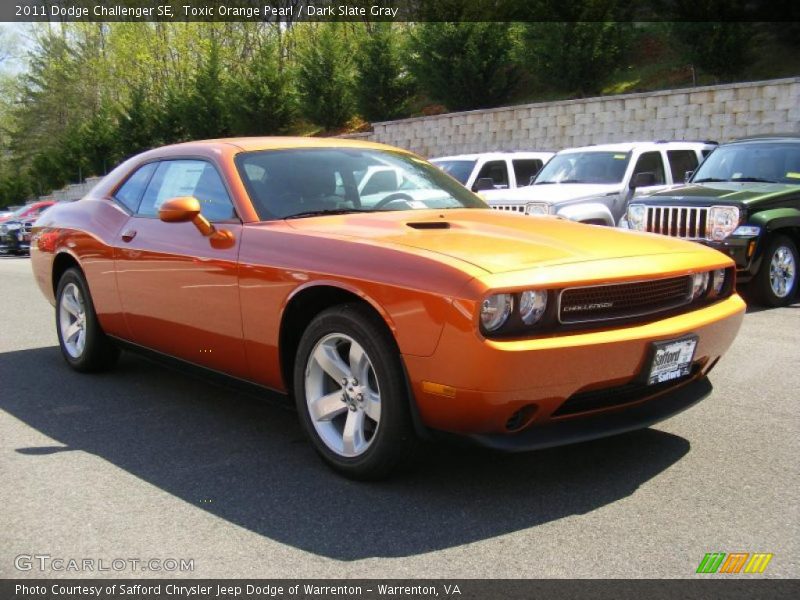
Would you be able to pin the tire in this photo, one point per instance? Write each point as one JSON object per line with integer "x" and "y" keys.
{"x": 83, "y": 344}
{"x": 361, "y": 428}
{"x": 775, "y": 283}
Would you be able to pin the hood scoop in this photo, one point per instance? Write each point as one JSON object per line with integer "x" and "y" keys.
{"x": 429, "y": 225}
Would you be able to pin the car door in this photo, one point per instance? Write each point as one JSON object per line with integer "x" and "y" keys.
{"x": 179, "y": 294}
{"x": 650, "y": 162}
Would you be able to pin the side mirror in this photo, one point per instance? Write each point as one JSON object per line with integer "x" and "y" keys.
{"x": 185, "y": 209}
{"x": 687, "y": 176}
{"x": 483, "y": 184}
{"x": 643, "y": 179}
{"x": 179, "y": 210}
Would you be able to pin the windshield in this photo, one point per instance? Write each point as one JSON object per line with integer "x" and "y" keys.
{"x": 457, "y": 169}
{"x": 585, "y": 167}
{"x": 306, "y": 182}
{"x": 777, "y": 162}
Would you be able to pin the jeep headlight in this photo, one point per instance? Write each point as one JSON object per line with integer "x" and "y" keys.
{"x": 637, "y": 215}
{"x": 537, "y": 208}
{"x": 722, "y": 221}
{"x": 495, "y": 311}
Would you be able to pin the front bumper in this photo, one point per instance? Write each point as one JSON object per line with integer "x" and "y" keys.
{"x": 10, "y": 243}
{"x": 745, "y": 252}
{"x": 478, "y": 388}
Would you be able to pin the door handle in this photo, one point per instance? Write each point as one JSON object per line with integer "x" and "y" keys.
{"x": 129, "y": 235}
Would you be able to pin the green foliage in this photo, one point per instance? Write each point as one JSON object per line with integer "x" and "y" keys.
{"x": 262, "y": 98}
{"x": 576, "y": 56}
{"x": 383, "y": 84}
{"x": 205, "y": 109}
{"x": 325, "y": 76}
{"x": 720, "y": 49}
{"x": 464, "y": 65}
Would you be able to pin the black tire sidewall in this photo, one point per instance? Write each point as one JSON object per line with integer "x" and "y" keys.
{"x": 394, "y": 433}
{"x": 762, "y": 290}
{"x": 98, "y": 351}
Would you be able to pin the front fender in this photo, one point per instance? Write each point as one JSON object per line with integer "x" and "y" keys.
{"x": 776, "y": 218}
{"x": 589, "y": 211}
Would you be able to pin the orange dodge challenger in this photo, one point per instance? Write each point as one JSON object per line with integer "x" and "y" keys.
{"x": 391, "y": 302}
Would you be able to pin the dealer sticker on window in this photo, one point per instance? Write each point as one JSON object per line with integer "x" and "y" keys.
{"x": 672, "y": 360}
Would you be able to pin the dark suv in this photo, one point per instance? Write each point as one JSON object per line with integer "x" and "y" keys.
{"x": 744, "y": 200}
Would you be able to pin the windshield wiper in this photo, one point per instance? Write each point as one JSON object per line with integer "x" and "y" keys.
{"x": 329, "y": 211}
{"x": 753, "y": 180}
{"x": 709, "y": 180}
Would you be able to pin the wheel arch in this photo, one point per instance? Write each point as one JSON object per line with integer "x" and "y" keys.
{"x": 307, "y": 302}
{"x": 63, "y": 260}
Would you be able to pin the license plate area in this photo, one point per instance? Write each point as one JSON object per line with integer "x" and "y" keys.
{"x": 671, "y": 359}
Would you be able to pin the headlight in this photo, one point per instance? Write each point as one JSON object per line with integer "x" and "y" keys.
{"x": 699, "y": 284}
{"x": 718, "y": 281}
{"x": 495, "y": 311}
{"x": 637, "y": 213}
{"x": 532, "y": 305}
{"x": 722, "y": 221}
{"x": 537, "y": 208}
{"x": 747, "y": 231}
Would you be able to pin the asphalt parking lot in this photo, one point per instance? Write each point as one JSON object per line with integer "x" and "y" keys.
{"x": 147, "y": 462}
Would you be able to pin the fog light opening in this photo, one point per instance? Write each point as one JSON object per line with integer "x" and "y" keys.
{"x": 521, "y": 418}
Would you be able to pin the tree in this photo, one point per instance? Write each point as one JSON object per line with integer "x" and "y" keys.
{"x": 719, "y": 49}
{"x": 262, "y": 95}
{"x": 206, "y": 112}
{"x": 464, "y": 65}
{"x": 383, "y": 84}
{"x": 576, "y": 56}
{"x": 325, "y": 76}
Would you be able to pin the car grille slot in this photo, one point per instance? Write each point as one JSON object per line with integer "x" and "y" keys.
{"x": 677, "y": 221}
{"x": 520, "y": 208}
{"x": 607, "y": 398}
{"x": 623, "y": 300}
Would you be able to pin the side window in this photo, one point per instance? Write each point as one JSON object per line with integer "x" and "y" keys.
{"x": 681, "y": 161}
{"x": 495, "y": 170}
{"x": 525, "y": 168}
{"x": 196, "y": 178}
{"x": 131, "y": 191}
{"x": 651, "y": 162}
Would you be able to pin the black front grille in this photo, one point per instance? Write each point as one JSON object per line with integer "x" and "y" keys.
{"x": 617, "y": 396}
{"x": 623, "y": 300}
{"x": 678, "y": 221}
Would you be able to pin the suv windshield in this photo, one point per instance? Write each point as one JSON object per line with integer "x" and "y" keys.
{"x": 585, "y": 167}
{"x": 769, "y": 162}
{"x": 457, "y": 169}
{"x": 306, "y": 182}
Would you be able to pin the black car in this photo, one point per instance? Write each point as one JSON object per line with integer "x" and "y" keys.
{"x": 744, "y": 200}
{"x": 15, "y": 236}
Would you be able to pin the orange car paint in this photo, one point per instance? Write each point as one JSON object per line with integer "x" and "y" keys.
{"x": 168, "y": 289}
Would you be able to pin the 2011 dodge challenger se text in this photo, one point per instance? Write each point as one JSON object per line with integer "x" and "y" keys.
{"x": 401, "y": 309}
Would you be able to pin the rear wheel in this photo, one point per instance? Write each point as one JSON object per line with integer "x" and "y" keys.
{"x": 83, "y": 344}
{"x": 775, "y": 284}
{"x": 351, "y": 393}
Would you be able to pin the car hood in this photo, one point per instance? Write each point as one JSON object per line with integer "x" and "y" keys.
{"x": 494, "y": 241}
{"x": 726, "y": 192}
{"x": 552, "y": 193}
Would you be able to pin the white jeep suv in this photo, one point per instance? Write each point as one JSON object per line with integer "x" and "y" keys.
{"x": 493, "y": 170}
{"x": 594, "y": 184}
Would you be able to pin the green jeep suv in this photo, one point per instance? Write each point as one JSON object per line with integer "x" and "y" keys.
{"x": 744, "y": 200}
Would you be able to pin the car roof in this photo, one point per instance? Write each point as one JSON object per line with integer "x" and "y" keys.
{"x": 252, "y": 144}
{"x": 497, "y": 155}
{"x": 770, "y": 137}
{"x": 653, "y": 145}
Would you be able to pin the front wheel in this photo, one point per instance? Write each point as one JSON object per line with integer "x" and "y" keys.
{"x": 351, "y": 393}
{"x": 83, "y": 344}
{"x": 775, "y": 283}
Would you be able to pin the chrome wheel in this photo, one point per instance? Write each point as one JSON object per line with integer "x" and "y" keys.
{"x": 72, "y": 320}
{"x": 782, "y": 271}
{"x": 342, "y": 395}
